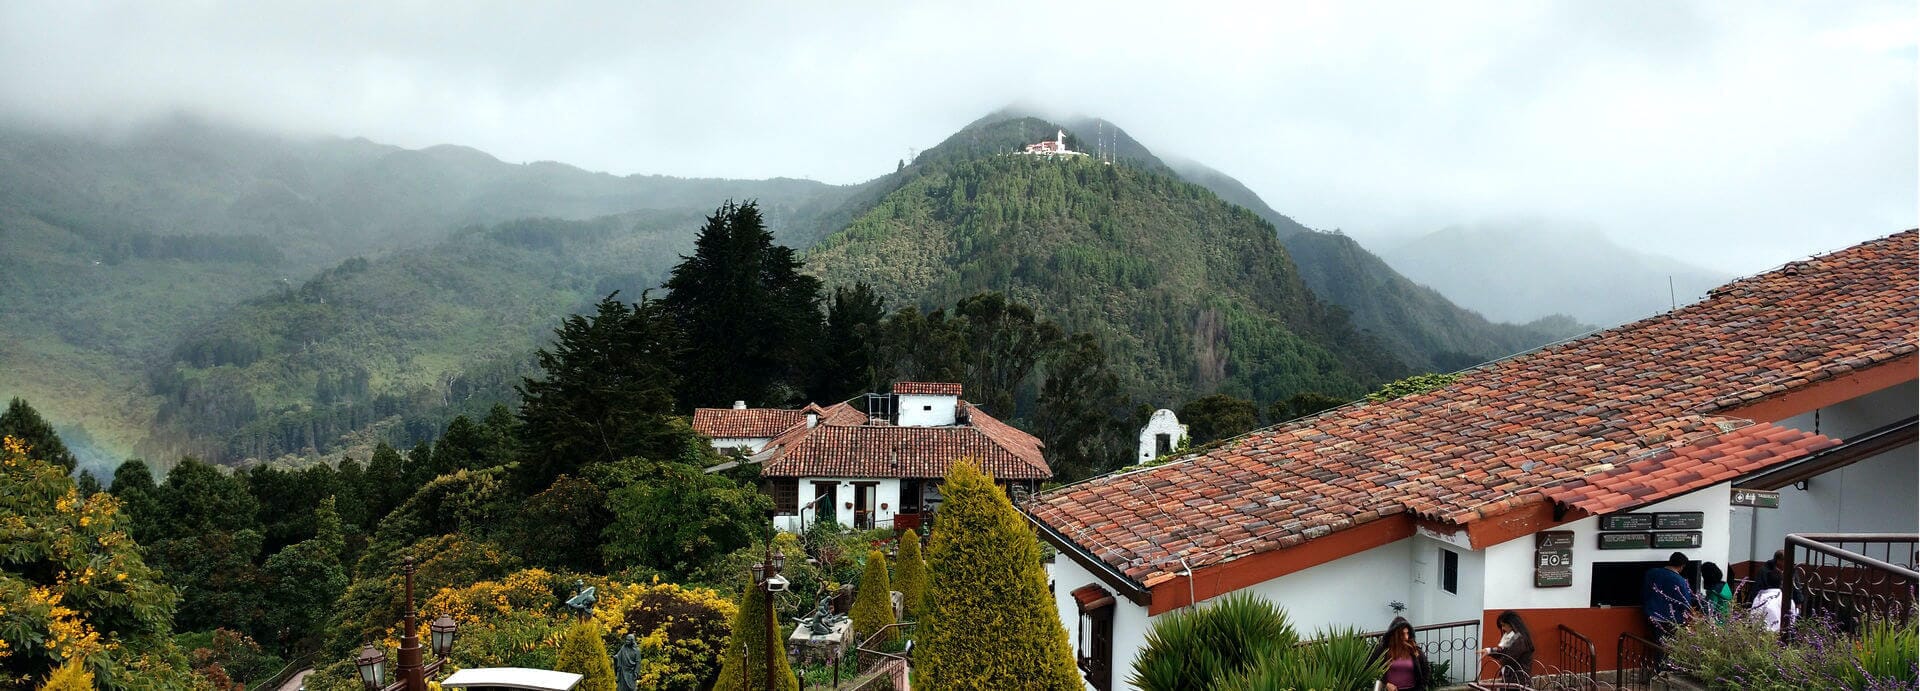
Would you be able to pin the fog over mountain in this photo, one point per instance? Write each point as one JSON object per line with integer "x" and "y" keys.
{"x": 1732, "y": 136}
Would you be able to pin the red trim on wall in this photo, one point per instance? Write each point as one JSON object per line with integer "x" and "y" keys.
{"x": 1859, "y": 383}
{"x": 1221, "y": 579}
{"x": 1601, "y": 624}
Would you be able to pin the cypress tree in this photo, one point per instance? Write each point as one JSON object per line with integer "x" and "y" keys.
{"x": 873, "y": 602}
{"x": 991, "y": 622}
{"x": 583, "y": 652}
{"x": 912, "y": 577}
{"x": 751, "y": 317}
{"x": 744, "y": 666}
{"x": 24, "y": 423}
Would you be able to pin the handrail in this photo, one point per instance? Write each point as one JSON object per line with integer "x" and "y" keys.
{"x": 299, "y": 662}
{"x": 863, "y": 645}
{"x": 1651, "y": 664}
{"x": 1593, "y": 653}
{"x": 1817, "y": 542}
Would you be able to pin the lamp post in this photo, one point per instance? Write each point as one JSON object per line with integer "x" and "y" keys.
{"x": 411, "y": 674}
{"x": 766, "y": 577}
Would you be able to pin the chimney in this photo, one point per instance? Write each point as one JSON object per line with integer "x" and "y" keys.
{"x": 813, "y": 419}
{"x": 739, "y": 405}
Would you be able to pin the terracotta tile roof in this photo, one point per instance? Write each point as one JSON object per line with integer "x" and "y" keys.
{"x": 1673, "y": 472}
{"x": 1508, "y": 429}
{"x": 927, "y": 388}
{"x": 844, "y": 446}
{"x": 748, "y": 423}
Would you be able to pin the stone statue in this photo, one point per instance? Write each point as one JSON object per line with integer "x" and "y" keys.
{"x": 582, "y": 601}
{"x": 626, "y": 666}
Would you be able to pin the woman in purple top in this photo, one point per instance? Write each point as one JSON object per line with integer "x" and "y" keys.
{"x": 1406, "y": 663}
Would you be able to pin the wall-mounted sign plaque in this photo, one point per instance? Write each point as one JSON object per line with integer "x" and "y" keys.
{"x": 1626, "y": 540}
{"x": 1553, "y": 559}
{"x": 1756, "y": 498}
{"x": 1686, "y": 540}
{"x": 1685, "y": 520}
{"x": 1627, "y": 521}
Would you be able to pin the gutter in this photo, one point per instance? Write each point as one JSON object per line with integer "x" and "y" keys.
{"x": 1134, "y": 592}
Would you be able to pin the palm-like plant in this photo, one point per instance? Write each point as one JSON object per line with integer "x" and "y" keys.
{"x": 1192, "y": 650}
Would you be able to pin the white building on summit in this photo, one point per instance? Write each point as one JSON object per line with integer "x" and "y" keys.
{"x": 1057, "y": 147}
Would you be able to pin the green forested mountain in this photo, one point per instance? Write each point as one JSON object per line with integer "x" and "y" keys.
{"x": 1420, "y": 325}
{"x": 1187, "y": 293}
{"x": 117, "y": 251}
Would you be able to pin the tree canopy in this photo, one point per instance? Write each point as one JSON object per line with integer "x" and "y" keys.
{"x": 751, "y": 318}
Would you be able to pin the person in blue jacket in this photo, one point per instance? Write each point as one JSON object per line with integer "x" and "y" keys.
{"x": 1666, "y": 597}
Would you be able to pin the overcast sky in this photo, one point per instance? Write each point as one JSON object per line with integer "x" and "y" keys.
{"x": 1733, "y": 134}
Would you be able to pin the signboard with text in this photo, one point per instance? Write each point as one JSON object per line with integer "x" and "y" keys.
{"x": 1627, "y": 521}
{"x": 1756, "y": 498}
{"x": 1553, "y": 559}
{"x": 1626, "y": 540}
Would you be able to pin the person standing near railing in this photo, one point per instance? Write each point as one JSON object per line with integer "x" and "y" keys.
{"x": 1666, "y": 597}
{"x": 1406, "y": 662}
{"x": 1515, "y": 652}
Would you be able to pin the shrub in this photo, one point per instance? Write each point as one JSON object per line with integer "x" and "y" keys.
{"x": 1739, "y": 653}
{"x": 911, "y": 578}
{"x": 991, "y": 622}
{"x": 583, "y": 651}
{"x": 1889, "y": 654}
{"x": 744, "y": 668}
{"x": 681, "y": 632}
{"x": 1192, "y": 649}
{"x": 873, "y": 602}
{"x": 71, "y": 676}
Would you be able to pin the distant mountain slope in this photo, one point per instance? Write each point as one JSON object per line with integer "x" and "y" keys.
{"x": 403, "y": 341}
{"x": 1189, "y": 293}
{"x": 113, "y": 249}
{"x": 1420, "y": 325}
{"x": 1516, "y": 272}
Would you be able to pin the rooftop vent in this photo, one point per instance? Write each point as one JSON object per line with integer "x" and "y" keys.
{"x": 739, "y": 405}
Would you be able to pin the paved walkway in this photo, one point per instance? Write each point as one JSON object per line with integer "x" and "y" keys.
{"x": 293, "y": 683}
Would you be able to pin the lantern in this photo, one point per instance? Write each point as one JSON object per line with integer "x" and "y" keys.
{"x": 442, "y": 636}
{"x": 372, "y": 665}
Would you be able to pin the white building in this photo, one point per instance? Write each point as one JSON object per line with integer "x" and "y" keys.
{"x": 1545, "y": 483}
{"x": 880, "y": 465}
{"x": 1161, "y": 436}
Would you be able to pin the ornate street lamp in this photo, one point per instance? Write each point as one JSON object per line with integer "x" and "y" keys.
{"x": 412, "y": 675}
{"x": 373, "y": 667}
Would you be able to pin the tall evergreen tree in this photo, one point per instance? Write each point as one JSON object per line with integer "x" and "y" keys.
{"x": 607, "y": 393}
{"x": 752, "y": 319}
{"x": 22, "y": 422}
{"x": 845, "y": 367}
{"x": 418, "y": 470}
{"x": 302, "y": 581}
{"x": 991, "y": 622}
{"x": 1006, "y": 341}
{"x": 912, "y": 575}
{"x": 386, "y": 484}
{"x": 87, "y": 483}
{"x": 463, "y": 446}
{"x": 873, "y": 601}
{"x": 1218, "y": 416}
{"x": 139, "y": 499}
{"x": 1082, "y": 414}
{"x": 582, "y": 652}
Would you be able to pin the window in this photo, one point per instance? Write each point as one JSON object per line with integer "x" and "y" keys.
{"x": 1449, "y": 571}
{"x": 1162, "y": 444}
{"x": 1094, "y": 644}
{"x": 786, "y": 495}
{"x": 926, "y": 407}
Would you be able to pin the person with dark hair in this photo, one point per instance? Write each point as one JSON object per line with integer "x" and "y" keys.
{"x": 1719, "y": 595}
{"x": 1515, "y": 651}
{"x": 1666, "y": 597}
{"x": 1406, "y": 662}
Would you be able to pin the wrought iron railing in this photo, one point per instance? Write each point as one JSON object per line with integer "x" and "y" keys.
{"x": 1849, "y": 577}
{"x": 1579, "y": 659}
{"x": 1636, "y": 661}
{"x": 1452, "y": 648}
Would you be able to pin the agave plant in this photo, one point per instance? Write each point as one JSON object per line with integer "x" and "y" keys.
{"x": 1338, "y": 660}
{"x": 1196, "y": 649}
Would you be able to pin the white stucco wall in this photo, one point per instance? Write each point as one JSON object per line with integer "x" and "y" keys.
{"x": 1876, "y": 495}
{"x": 918, "y": 410}
{"x": 1427, "y": 601}
{"x": 752, "y": 444}
{"x": 1163, "y": 422}
{"x": 886, "y": 503}
{"x": 1130, "y": 621}
{"x": 1509, "y": 565}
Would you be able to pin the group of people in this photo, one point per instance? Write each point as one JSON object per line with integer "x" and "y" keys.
{"x": 1406, "y": 663}
{"x": 1668, "y": 599}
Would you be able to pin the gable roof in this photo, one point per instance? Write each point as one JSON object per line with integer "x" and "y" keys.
{"x": 1629, "y": 400}
{"x": 844, "y": 444}
{"x": 927, "y": 388}
{"x": 745, "y": 423}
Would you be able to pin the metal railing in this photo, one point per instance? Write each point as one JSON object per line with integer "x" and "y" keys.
{"x": 294, "y": 666}
{"x": 1578, "y": 658}
{"x": 1849, "y": 577}
{"x": 864, "y": 665}
{"x": 1636, "y": 661}
{"x": 1452, "y": 648}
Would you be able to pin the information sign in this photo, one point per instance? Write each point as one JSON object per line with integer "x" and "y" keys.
{"x": 1686, "y": 540}
{"x": 1686, "y": 520}
{"x": 1756, "y": 498}
{"x": 1625, "y": 540}
{"x": 1627, "y": 521}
